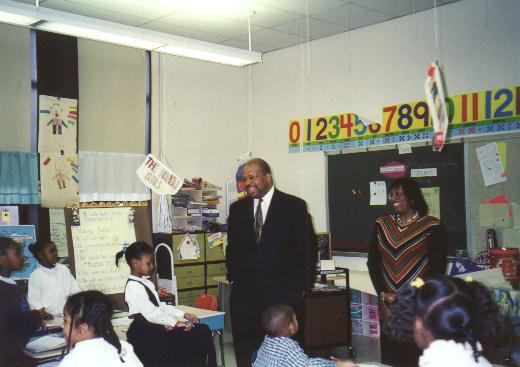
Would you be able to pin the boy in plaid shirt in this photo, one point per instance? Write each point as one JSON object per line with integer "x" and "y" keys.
{"x": 279, "y": 350}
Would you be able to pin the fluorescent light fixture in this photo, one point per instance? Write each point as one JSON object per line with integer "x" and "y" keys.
{"x": 96, "y": 35}
{"x": 104, "y": 31}
{"x": 16, "y": 19}
{"x": 17, "y": 14}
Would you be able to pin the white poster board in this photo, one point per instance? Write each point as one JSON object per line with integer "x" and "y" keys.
{"x": 99, "y": 237}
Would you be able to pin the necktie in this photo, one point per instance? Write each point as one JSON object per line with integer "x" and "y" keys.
{"x": 259, "y": 221}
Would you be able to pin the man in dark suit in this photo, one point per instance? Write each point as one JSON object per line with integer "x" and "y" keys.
{"x": 271, "y": 256}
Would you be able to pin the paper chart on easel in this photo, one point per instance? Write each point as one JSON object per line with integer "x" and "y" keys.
{"x": 100, "y": 235}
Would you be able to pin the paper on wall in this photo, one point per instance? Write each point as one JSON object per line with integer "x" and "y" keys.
{"x": 189, "y": 248}
{"x": 404, "y": 148}
{"x": 102, "y": 233}
{"x": 423, "y": 172}
{"x": 58, "y": 231}
{"x": 378, "y": 193}
{"x": 9, "y": 216}
{"x": 432, "y": 197}
{"x": 494, "y": 215}
{"x": 24, "y": 235}
{"x": 502, "y": 151}
{"x": 57, "y": 125}
{"x": 59, "y": 180}
{"x": 491, "y": 164}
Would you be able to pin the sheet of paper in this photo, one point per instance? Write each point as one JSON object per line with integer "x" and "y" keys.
{"x": 216, "y": 239}
{"x": 423, "y": 172}
{"x": 404, "y": 148}
{"x": 59, "y": 180}
{"x": 189, "y": 248}
{"x": 511, "y": 238}
{"x": 502, "y": 151}
{"x": 432, "y": 197}
{"x": 102, "y": 233}
{"x": 491, "y": 164}
{"x": 378, "y": 193}
{"x": 494, "y": 215}
{"x": 9, "y": 216}
{"x": 58, "y": 231}
{"x": 515, "y": 209}
{"x": 57, "y": 128}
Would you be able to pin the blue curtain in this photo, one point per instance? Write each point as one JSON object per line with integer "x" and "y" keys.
{"x": 19, "y": 178}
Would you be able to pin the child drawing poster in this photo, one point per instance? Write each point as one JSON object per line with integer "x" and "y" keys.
{"x": 24, "y": 235}
{"x": 59, "y": 180}
{"x": 57, "y": 126}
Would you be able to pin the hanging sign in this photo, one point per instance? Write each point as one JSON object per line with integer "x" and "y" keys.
{"x": 493, "y": 111}
{"x": 158, "y": 177}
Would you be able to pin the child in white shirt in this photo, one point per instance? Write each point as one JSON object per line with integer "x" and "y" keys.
{"x": 87, "y": 326}
{"x": 51, "y": 282}
{"x": 161, "y": 335}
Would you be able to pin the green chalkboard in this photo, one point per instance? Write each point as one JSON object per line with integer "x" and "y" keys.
{"x": 351, "y": 217}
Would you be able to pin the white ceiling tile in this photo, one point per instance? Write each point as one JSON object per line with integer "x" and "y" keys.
{"x": 300, "y": 6}
{"x": 94, "y": 12}
{"x": 396, "y": 8}
{"x": 266, "y": 16}
{"x": 185, "y": 32}
{"x": 317, "y": 28}
{"x": 149, "y": 9}
{"x": 209, "y": 24}
{"x": 352, "y": 16}
{"x": 275, "y": 39}
{"x": 245, "y": 45}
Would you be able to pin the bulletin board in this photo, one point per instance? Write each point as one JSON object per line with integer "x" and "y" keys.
{"x": 506, "y": 194}
{"x": 352, "y": 218}
{"x": 142, "y": 233}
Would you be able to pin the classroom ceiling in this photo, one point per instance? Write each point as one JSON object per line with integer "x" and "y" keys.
{"x": 275, "y": 24}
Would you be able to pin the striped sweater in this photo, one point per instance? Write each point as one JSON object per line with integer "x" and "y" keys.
{"x": 399, "y": 254}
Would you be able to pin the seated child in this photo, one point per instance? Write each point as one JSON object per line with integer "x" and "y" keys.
{"x": 51, "y": 282}
{"x": 87, "y": 326}
{"x": 453, "y": 321}
{"x": 162, "y": 335}
{"x": 16, "y": 327}
{"x": 278, "y": 349}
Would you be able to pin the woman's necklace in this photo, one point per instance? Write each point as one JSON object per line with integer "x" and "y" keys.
{"x": 405, "y": 222}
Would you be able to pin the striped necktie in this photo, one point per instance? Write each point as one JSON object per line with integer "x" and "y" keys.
{"x": 259, "y": 221}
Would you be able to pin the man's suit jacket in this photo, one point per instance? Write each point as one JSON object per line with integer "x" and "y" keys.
{"x": 285, "y": 258}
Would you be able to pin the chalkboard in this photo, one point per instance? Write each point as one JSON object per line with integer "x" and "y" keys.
{"x": 351, "y": 217}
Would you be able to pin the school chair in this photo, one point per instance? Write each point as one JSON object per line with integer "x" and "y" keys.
{"x": 210, "y": 302}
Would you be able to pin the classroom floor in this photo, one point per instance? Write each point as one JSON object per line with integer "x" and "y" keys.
{"x": 368, "y": 350}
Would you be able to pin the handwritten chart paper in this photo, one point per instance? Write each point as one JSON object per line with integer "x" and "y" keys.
{"x": 58, "y": 231}
{"x": 378, "y": 193}
{"x": 102, "y": 233}
{"x": 431, "y": 196}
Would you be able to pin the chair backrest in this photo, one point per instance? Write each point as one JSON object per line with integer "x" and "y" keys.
{"x": 206, "y": 302}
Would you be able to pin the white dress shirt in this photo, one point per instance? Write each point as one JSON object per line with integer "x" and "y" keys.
{"x": 266, "y": 201}
{"x": 100, "y": 353}
{"x": 50, "y": 288}
{"x": 441, "y": 353}
{"x": 138, "y": 301}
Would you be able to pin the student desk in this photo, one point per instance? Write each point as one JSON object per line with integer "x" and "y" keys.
{"x": 213, "y": 319}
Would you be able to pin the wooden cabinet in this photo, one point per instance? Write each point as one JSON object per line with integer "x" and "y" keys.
{"x": 327, "y": 319}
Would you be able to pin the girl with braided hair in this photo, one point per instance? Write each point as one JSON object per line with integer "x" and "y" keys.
{"x": 87, "y": 326}
{"x": 455, "y": 322}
